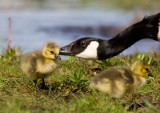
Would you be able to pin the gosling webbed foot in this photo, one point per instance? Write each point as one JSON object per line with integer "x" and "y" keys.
{"x": 43, "y": 86}
{"x": 35, "y": 82}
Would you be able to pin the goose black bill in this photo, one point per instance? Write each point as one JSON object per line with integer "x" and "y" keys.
{"x": 65, "y": 50}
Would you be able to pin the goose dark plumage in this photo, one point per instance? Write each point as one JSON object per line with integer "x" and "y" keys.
{"x": 94, "y": 48}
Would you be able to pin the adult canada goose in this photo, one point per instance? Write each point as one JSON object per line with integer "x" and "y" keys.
{"x": 118, "y": 81}
{"x": 93, "y": 48}
{"x": 41, "y": 63}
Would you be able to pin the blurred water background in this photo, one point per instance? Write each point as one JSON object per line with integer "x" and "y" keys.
{"x": 35, "y": 22}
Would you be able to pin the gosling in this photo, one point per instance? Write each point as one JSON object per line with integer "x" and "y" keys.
{"x": 119, "y": 81}
{"x": 41, "y": 63}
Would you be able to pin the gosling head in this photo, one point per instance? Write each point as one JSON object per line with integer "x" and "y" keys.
{"x": 141, "y": 69}
{"x": 85, "y": 48}
{"x": 51, "y": 51}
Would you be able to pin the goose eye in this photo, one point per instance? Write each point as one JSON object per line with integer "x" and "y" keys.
{"x": 83, "y": 44}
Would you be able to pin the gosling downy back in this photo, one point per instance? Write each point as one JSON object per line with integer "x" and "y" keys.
{"x": 38, "y": 60}
{"x": 40, "y": 64}
{"x": 118, "y": 81}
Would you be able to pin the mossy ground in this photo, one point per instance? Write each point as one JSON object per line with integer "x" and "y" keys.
{"x": 69, "y": 90}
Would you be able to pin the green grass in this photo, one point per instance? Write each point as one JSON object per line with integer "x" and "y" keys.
{"x": 69, "y": 90}
{"x": 129, "y": 5}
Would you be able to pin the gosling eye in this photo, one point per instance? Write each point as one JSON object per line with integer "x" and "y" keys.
{"x": 147, "y": 69}
{"x": 83, "y": 44}
{"x": 51, "y": 52}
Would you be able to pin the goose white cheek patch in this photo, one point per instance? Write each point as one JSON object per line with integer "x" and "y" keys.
{"x": 90, "y": 52}
{"x": 159, "y": 31}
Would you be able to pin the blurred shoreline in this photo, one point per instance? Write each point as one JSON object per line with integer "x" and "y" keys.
{"x": 125, "y": 5}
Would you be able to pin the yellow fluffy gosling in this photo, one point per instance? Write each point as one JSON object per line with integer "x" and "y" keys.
{"x": 118, "y": 81}
{"x": 41, "y": 63}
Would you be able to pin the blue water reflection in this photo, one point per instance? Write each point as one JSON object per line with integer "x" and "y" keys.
{"x": 31, "y": 29}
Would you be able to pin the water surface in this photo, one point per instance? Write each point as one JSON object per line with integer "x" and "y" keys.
{"x": 31, "y": 29}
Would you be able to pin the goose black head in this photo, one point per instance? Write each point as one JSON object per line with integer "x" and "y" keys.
{"x": 85, "y": 48}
